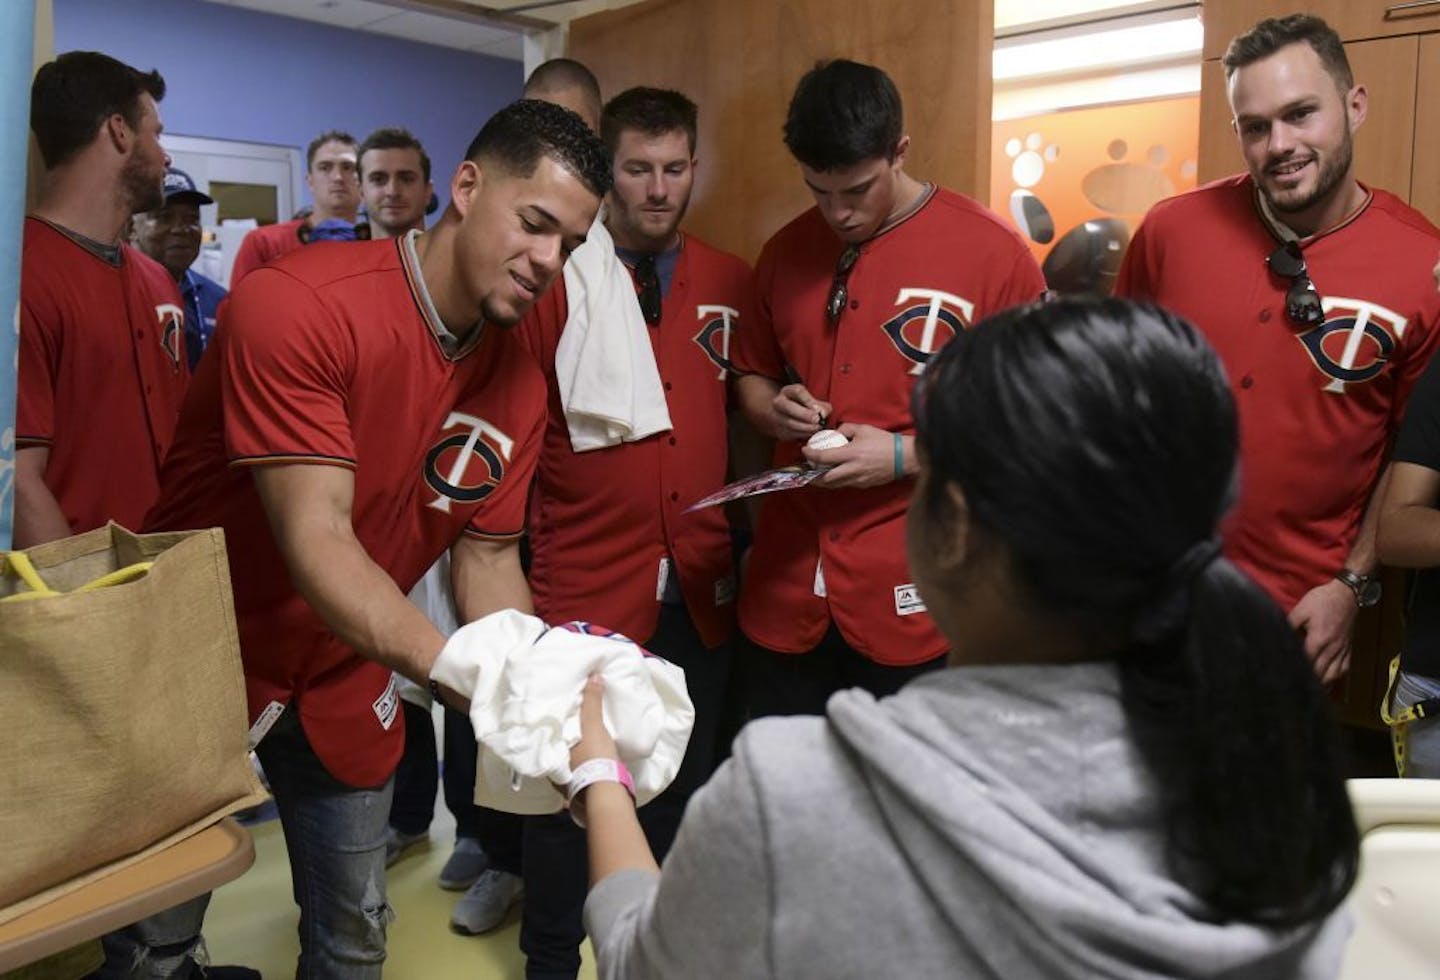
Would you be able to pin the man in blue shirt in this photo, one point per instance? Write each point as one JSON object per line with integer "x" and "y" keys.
{"x": 171, "y": 236}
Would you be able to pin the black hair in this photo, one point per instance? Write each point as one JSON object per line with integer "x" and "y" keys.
{"x": 392, "y": 138}
{"x": 73, "y": 95}
{"x": 843, "y": 113}
{"x": 562, "y": 74}
{"x": 651, "y": 111}
{"x": 520, "y": 134}
{"x": 329, "y": 136}
{"x": 1274, "y": 33}
{"x": 1094, "y": 443}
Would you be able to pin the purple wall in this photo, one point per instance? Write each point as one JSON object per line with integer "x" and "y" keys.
{"x": 243, "y": 75}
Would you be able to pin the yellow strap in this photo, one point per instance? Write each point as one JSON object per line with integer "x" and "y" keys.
{"x": 20, "y": 563}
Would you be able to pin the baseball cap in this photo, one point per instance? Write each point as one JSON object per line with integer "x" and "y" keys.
{"x": 179, "y": 185}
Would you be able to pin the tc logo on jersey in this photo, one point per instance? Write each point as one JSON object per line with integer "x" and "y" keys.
{"x": 714, "y": 335}
{"x": 171, "y": 329}
{"x": 1354, "y": 343}
{"x": 468, "y": 465}
{"x": 926, "y": 324}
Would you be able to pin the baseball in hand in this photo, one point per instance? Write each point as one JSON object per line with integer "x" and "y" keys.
{"x": 827, "y": 439}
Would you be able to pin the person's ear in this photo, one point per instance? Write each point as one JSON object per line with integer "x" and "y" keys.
{"x": 465, "y": 185}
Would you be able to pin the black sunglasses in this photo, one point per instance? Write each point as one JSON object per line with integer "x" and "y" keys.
{"x": 1302, "y": 301}
{"x": 649, "y": 281}
{"x": 839, "y": 292}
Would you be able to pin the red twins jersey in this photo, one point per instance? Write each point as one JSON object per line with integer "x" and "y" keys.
{"x": 102, "y": 374}
{"x": 332, "y": 356}
{"x": 823, "y": 554}
{"x": 264, "y": 245}
{"x": 601, "y": 521}
{"x": 1317, "y": 407}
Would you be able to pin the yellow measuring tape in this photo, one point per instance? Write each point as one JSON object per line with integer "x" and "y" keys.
{"x": 20, "y": 563}
{"x": 1400, "y": 722}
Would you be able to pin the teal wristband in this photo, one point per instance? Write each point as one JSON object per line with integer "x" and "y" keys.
{"x": 899, "y": 456}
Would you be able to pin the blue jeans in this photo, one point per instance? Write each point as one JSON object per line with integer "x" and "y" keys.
{"x": 165, "y": 945}
{"x": 1422, "y": 737}
{"x": 335, "y": 836}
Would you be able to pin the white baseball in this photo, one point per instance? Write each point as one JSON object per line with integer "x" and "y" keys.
{"x": 827, "y": 439}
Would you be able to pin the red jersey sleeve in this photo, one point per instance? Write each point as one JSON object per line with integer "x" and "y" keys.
{"x": 1025, "y": 284}
{"x": 35, "y": 382}
{"x": 247, "y": 258}
{"x": 284, "y": 376}
{"x": 502, "y": 515}
{"x": 1417, "y": 358}
{"x": 539, "y": 331}
{"x": 757, "y": 351}
{"x": 1138, "y": 269}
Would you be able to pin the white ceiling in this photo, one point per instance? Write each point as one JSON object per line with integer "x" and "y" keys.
{"x": 481, "y": 26}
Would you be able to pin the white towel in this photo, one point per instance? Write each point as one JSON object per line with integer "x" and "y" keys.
{"x": 525, "y": 681}
{"x": 604, "y": 365}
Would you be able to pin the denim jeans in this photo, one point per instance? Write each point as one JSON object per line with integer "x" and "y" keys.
{"x": 1422, "y": 736}
{"x": 160, "y": 947}
{"x": 335, "y": 836}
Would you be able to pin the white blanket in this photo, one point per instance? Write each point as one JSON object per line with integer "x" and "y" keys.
{"x": 524, "y": 681}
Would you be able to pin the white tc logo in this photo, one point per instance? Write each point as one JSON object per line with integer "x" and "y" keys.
{"x": 714, "y": 339}
{"x": 935, "y": 315}
{"x": 448, "y": 487}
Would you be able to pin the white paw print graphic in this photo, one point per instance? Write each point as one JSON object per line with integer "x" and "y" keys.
{"x": 1030, "y": 158}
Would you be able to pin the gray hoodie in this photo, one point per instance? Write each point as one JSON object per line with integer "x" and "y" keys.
{"x": 984, "y": 822}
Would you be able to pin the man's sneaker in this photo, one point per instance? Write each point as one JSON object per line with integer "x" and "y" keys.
{"x": 464, "y": 866}
{"x": 483, "y": 907}
{"x": 397, "y": 843}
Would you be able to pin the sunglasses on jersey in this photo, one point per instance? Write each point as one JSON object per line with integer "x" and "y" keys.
{"x": 1302, "y": 300}
{"x": 839, "y": 288}
{"x": 649, "y": 281}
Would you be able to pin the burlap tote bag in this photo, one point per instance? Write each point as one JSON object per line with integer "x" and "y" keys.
{"x": 123, "y": 702}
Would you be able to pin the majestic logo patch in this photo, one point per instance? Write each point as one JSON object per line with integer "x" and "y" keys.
{"x": 1354, "y": 343}
{"x": 466, "y": 467}
{"x": 930, "y": 320}
{"x": 170, "y": 320}
{"x": 907, "y": 600}
{"x": 714, "y": 335}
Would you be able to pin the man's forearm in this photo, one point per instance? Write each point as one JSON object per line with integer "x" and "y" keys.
{"x": 1409, "y": 537}
{"x": 486, "y": 578}
{"x": 1362, "y": 558}
{"x": 756, "y": 396}
{"x": 38, "y": 517}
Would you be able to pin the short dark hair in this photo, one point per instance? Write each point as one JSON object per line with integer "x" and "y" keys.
{"x": 520, "y": 134}
{"x": 1107, "y": 526}
{"x": 392, "y": 138}
{"x": 1274, "y": 33}
{"x": 843, "y": 113}
{"x": 561, "y": 74}
{"x": 652, "y": 111}
{"x": 73, "y": 95}
{"x": 329, "y": 136}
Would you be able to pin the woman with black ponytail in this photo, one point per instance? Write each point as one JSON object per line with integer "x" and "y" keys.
{"x": 1129, "y": 769}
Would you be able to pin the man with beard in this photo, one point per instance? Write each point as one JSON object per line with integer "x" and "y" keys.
{"x": 331, "y": 169}
{"x": 1316, "y": 291}
{"x": 394, "y": 182}
{"x": 102, "y": 368}
{"x": 610, "y": 538}
{"x": 171, "y": 236}
{"x": 364, "y": 409}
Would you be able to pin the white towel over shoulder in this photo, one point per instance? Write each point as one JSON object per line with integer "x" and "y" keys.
{"x": 525, "y": 681}
{"x": 604, "y": 365}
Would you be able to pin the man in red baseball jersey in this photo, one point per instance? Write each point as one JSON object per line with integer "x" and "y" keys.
{"x": 854, "y": 297}
{"x": 365, "y": 410}
{"x": 332, "y": 174}
{"x": 610, "y": 539}
{"x": 1316, "y": 292}
{"x": 102, "y": 332}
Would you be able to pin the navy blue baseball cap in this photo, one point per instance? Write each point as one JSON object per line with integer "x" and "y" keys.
{"x": 178, "y": 185}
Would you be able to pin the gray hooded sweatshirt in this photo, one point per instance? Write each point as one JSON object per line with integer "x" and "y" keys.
{"x": 989, "y": 822}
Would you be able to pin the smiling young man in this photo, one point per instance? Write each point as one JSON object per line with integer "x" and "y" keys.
{"x": 610, "y": 539}
{"x": 331, "y": 173}
{"x": 366, "y": 408}
{"x": 394, "y": 182}
{"x": 1316, "y": 291}
{"x": 855, "y": 295}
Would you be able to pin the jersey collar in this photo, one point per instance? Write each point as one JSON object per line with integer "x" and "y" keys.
{"x": 1284, "y": 233}
{"x": 450, "y": 346}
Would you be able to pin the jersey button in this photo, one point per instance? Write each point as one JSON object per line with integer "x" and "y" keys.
{"x": 674, "y": 496}
{"x": 834, "y": 535}
{"x": 1247, "y": 382}
{"x": 844, "y": 369}
{"x": 668, "y": 386}
{"x": 1264, "y": 316}
{"x": 854, "y": 304}
{"x": 672, "y": 440}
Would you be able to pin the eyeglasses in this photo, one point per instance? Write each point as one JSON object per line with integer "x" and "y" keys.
{"x": 839, "y": 290}
{"x": 1302, "y": 301}
{"x": 649, "y": 281}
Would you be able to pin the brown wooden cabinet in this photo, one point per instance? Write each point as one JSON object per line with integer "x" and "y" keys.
{"x": 1394, "y": 50}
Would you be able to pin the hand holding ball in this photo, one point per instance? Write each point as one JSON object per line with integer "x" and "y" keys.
{"x": 826, "y": 439}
